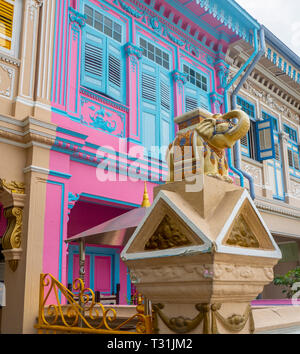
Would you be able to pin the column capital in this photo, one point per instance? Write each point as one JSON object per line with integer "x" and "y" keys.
{"x": 77, "y": 19}
{"x": 178, "y": 76}
{"x": 283, "y": 136}
{"x": 133, "y": 50}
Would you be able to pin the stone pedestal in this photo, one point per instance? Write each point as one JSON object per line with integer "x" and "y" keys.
{"x": 201, "y": 258}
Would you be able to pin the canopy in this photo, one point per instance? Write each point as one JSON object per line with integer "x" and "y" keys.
{"x": 114, "y": 232}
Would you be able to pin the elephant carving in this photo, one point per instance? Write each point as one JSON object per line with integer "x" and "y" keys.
{"x": 200, "y": 148}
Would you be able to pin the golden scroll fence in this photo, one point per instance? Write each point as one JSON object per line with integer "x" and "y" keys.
{"x": 79, "y": 313}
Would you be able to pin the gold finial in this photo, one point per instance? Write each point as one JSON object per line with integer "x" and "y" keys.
{"x": 146, "y": 202}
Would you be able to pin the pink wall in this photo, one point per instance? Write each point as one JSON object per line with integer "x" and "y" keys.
{"x": 86, "y": 215}
{"x": 75, "y": 153}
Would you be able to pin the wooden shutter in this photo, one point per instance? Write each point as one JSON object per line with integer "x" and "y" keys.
{"x": 149, "y": 91}
{"x": 114, "y": 72}
{"x": 290, "y": 158}
{"x": 296, "y": 160}
{"x": 6, "y": 24}
{"x": 277, "y": 152}
{"x": 93, "y": 62}
{"x": 165, "y": 96}
{"x": 265, "y": 140}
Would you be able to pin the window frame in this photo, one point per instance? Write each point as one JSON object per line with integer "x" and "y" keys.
{"x": 162, "y": 75}
{"x": 16, "y": 29}
{"x": 201, "y": 95}
{"x": 108, "y": 42}
{"x": 251, "y": 135}
{"x": 293, "y": 148}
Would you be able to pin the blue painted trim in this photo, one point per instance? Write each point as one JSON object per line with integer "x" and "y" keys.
{"x": 93, "y": 252}
{"x": 283, "y": 49}
{"x": 72, "y": 133}
{"x": 128, "y": 287}
{"x": 59, "y": 174}
{"x": 271, "y": 130}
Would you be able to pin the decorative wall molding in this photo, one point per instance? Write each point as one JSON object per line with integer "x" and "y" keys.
{"x": 7, "y": 80}
{"x": 12, "y": 196}
{"x": 33, "y": 6}
{"x": 273, "y": 209}
{"x": 254, "y": 171}
{"x": 270, "y": 101}
{"x": 295, "y": 189}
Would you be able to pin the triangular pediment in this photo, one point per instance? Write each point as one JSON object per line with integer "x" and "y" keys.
{"x": 245, "y": 229}
{"x": 166, "y": 229}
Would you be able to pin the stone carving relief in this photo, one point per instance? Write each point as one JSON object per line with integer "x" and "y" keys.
{"x": 7, "y": 78}
{"x": 167, "y": 235}
{"x": 255, "y": 172}
{"x": 196, "y": 272}
{"x": 241, "y": 235}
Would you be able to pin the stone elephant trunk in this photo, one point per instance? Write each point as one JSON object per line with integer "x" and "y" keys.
{"x": 242, "y": 127}
{"x": 199, "y": 147}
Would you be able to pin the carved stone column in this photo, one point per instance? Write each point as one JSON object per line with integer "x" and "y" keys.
{"x": 12, "y": 196}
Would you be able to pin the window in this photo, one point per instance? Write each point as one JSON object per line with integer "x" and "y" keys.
{"x": 103, "y": 23}
{"x": 196, "y": 89}
{"x": 156, "y": 99}
{"x": 293, "y": 150}
{"x": 274, "y": 120}
{"x": 155, "y": 54}
{"x": 9, "y": 25}
{"x": 102, "y": 59}
{"x": 249, "y": 141}
{"x": 293, "y": 158}
{"x": 291, "y": 132}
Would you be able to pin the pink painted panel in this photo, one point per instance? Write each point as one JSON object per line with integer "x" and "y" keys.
{"x": 102, "y": 278}
{"x": 86, "y": 268}
{"x": 52, "y": 230}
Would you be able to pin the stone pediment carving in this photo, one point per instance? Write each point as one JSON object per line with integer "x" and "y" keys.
{"x": 167, "y": 235}
{"x": 241, "y": 235}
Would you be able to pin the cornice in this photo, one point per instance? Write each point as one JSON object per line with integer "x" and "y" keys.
{"x": 259, "y": 68}
{"x": 267, "y": 96}
{"x": 27, "y": 132}
{"x": 285, "y": 210}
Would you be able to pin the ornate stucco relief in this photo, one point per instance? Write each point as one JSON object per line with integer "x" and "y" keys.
{"x": 255, "y": 172}
{"x": 7, "y": 79}
{"x": 295, "y": 189}
{"x": 270, "y": 101}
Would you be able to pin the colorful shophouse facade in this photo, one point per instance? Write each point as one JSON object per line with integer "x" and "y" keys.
{"x": 94, "y": 86}
{"x": 122, "y": 71}
{"x": 272, "y": 91}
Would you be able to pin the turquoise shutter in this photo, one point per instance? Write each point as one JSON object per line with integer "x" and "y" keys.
{"x": 114, "y": 71}
{"x": 149, "y": 93}
{"x": 265, "y": 140}
{"x": 93, "y": 62}
{"x": 191, "y": 99}
{"x": 165, "y": 113}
